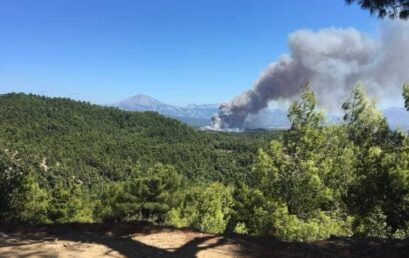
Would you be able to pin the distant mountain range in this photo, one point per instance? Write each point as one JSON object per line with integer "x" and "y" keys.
{"x": 192, "y": 114}
{"x": 200, "y": 115}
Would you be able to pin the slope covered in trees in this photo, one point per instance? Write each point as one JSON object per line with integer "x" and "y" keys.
{"x": 65, "y": 161}
{"x": 95, "y": 143}
{"x": 59, "y": 155}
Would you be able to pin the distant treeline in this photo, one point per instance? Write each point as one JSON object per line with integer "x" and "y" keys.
{"x": 65, "y": 161}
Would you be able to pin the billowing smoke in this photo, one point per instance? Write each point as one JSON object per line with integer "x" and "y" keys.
{"x": 331, "y": 60}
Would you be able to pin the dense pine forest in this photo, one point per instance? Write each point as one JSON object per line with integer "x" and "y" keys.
{"x": 65, "y": 161}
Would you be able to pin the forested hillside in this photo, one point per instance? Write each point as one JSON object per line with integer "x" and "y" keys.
{"x": 95, "y": 143}
{"x": 64, "y": 161}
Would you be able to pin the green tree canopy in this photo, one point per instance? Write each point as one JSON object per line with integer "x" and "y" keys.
{"x": 383, "y": 8}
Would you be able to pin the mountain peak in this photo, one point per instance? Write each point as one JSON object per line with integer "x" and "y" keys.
{"x": 142, "y": 99}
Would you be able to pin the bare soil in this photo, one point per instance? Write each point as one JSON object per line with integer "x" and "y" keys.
{"x": 143, "y": 239}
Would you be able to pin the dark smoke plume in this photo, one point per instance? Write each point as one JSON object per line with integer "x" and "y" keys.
{"x": 332, "y": 61}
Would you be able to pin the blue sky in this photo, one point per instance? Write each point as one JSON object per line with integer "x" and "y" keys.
{"x": 178, "y": 51}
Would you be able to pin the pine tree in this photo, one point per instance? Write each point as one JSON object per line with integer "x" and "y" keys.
{"x": 149, "y": 194}
{"x": 378, "y": 195}
{"x": 11, "y": 174}
{"x": 70, "y": 204}
{"x": 302, "y": 177}
{"x": 366, "y": 126}
{"x": 206, "y": 208}
{"x": 405, "y": 95}
{"x": 29, "y": 202}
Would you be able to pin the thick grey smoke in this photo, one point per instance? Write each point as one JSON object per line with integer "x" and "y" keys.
{"x": 331, "y": 60}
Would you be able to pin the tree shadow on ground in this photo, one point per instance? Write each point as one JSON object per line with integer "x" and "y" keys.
{"x": 120, "y": 237}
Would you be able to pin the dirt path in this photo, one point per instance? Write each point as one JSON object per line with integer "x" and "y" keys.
{"x": 146, "y": 240}
{"x": 116, "y": 240}
{"x": 166, "y": 242}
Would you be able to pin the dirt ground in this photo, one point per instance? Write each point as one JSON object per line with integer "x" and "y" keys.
{"x": 143, "y": 239}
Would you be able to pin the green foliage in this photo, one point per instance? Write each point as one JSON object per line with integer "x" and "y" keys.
{"x": 105, "y": 207}
{"x": 405, "y": 95}
{"x": 206, "y": 208}
{"x": 64, "y": 161}
{"x": 373, "y": 224}
{"x": 70, "y": 204}
{"x": 379, "y": 192}
{"x": 304, "y": 177}
{"x": 382, "y": 8}
{"x": 252, "y": 209}
{"x": 95, "y": 144}
{"x": 11, "y": 174}
{"x": 241, "y": 228}
{"x": 260, "y": 215}
{"x": 318, "y": 226}
{"x": 29, "y": 202}
{"x": 150, "y": 194}
{"x": 365, "y": 124}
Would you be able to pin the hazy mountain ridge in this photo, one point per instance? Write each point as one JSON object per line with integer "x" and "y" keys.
{"x": 192, "y": 114}
{"x": 143, "y": 102}
{"x": 198, "y": 115}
